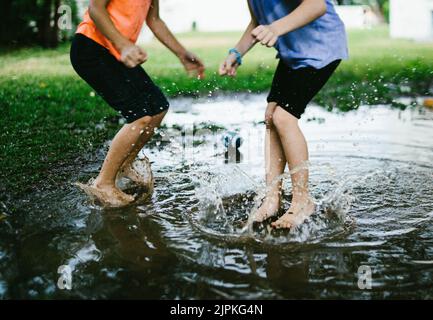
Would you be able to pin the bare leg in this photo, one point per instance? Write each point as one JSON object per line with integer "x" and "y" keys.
{"x": 275, "y": 162}
{"x": 144, "y": 138}
{"x": 127, "y": 168}
{"x": 104, "y": 187}
{"x": 296, "y": 151}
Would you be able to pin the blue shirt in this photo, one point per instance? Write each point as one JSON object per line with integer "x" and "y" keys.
{"x": 315, "y": 45}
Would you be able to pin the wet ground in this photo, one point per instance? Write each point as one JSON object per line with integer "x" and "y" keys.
{"x": 371, "y": 174}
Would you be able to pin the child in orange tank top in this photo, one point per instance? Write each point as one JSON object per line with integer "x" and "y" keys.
{"x": 104, "y": 54}
{"x": 128, "y": 17}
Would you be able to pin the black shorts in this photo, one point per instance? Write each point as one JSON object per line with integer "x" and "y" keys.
{"x": 130, "y": 91}
{"x": 292, "y": 89}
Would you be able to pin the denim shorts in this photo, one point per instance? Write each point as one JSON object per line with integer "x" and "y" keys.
{"x": 130, "y": 91}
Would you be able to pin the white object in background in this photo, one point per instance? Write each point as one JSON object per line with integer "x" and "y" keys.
{"x": 207, "y": 15}
{"x": 411, "y": 19}
{"x": 146, "y": 35}
{"x": 357, "y": 17}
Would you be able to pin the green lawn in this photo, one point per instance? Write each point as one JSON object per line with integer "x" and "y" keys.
{"x": 49, "y": 116}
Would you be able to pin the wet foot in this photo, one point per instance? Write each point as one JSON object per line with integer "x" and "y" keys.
{"x": 296, "y": 215}
{"x": 268, "y": 209}
{"x": 142, "y": 177}
{"x": 107, "y": 196}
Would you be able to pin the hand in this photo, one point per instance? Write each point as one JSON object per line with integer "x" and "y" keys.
{"x": 193, "y": 65}
{"x": 229, "y": 66}
{"x": 267, "y": 35}
{"x": 132, "y": 55}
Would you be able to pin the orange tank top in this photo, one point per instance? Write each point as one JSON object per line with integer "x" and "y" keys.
{"x": 128, "y": 17}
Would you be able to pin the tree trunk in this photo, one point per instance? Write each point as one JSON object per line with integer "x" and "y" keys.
{"x": 6, "y": 7}
{"x": 47, "y": 24}
{"x": 378, "y": 10}
{"x": 55, "y": 27}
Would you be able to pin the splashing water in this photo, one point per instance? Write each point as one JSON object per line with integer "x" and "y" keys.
{"x": 371, "y": 176}
{"x": 230, "y": 213}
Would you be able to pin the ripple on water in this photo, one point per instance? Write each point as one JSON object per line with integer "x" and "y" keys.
{"x": 371, "y": 176}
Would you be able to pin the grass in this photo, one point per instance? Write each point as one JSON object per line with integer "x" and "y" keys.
{"x": 49, "y": 116}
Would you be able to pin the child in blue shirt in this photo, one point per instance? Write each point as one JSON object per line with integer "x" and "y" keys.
{"x": 311, "y": 42}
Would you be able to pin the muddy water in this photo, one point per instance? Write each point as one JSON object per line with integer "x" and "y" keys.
{"x": 371, "y": 175}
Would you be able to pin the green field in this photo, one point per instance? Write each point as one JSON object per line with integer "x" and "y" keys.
{"x": 50, "y": 117}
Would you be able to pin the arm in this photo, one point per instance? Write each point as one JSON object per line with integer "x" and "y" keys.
{"x": 131, "y": 55}
{"x": 306, "y": 12}
{"x": 245, "y": 44}
{"x": 163, "y": 34}
{"x": 247, "y": 41}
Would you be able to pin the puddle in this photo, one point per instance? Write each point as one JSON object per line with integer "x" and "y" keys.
{"x": 371, "y": 174}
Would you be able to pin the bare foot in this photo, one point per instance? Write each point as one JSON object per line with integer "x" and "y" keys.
{"x": 143, "y": 176}
{"x": 108, "y": 196}
{"x": 268, "y": 209}
{"x": 296, "y": 215}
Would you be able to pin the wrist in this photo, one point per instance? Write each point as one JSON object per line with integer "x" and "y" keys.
{"x": 276, "y": 28}
{"x": 236, "y": 55}
{"x": 232, "y": 56}
{"x": 182, "y": 54}
{"x": 121, "y": 44}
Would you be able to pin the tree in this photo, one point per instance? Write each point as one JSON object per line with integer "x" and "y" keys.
{"x": 24, "y": 22}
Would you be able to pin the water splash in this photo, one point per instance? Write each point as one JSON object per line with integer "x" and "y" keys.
{"x": 228, "y": 198}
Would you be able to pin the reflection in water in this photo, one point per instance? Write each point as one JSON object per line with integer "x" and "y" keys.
{"x": 371, "y": 174}
{"x": 134, "y": 253}
{"x": 233, "y": 155}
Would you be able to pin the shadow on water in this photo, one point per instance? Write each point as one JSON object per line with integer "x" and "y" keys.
{"x": 371, "y": 176}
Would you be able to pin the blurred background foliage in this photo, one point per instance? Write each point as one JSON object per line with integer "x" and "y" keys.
{"x": 33, "y": 22}
{"x": 380, "y": 7}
